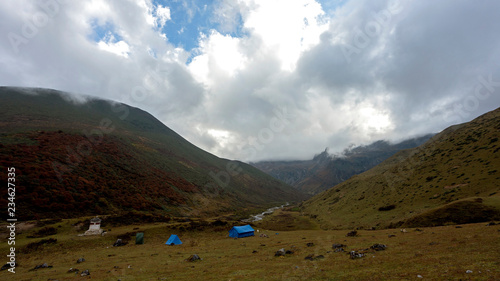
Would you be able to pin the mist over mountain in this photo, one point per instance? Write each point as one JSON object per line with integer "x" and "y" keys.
{"x": 326, "y": 170}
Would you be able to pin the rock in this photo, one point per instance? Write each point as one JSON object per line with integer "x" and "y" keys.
{"x": 280, "y": 252}
{"x": 468, "y": 271}
{"x": 339, "y": 250}
{"x": 338, "y": 245}
{"x": 80, "y": 260}
{"x": 7, "y": 266}
{"x": 312, "y": 257}
{"x": 75, "y": 270}
{"x": 85, "y": 272}
{"x": 356, "y": 255}
{"x": 391, "y": 235}
{"x": 289, "y": 252}
{"x": 194, "y": 258}
{"x": 119, "y": 243}
{"x": 378, "y": 247}
{"x": 491, "y": 223}
{"x": 352, "y": 233}
{"x": 310, "y": 244}
{"x": 309, "y": 257}
{"x": 419, "y": 276}
{"x": 254, "y": 251}
{"x": 263, "y": 235}
{"x": 44, "y": 265}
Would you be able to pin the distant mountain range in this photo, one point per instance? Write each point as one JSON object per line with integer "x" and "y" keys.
{"x": 101, "y": 157}
{"x": 453, "y": 178}
{"x": 325, "y": 171}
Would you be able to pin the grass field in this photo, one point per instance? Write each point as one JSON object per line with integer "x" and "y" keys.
{"x": 438, "y": 253}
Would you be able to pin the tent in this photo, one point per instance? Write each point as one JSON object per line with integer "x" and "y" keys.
{"x": 241, "y": 231}
{"x": 174, "y": 240}
{"x": 139, "y": 238}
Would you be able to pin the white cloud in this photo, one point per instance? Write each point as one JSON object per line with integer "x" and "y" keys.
{"x": 418, "y": 73}
{"x": 109, "y": 44}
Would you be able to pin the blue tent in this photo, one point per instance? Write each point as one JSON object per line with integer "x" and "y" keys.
{"x": 174, "y": 240}
{"x": 241, "y": 231}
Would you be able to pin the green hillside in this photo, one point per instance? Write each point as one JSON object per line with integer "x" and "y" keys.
{"x": 424, "y": 184}
{"x": 100, "y": 157}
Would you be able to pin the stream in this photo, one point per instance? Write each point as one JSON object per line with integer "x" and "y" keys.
{"x": 266, "y": 212}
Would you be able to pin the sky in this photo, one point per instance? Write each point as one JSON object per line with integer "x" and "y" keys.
{"x": 259, "y": 80}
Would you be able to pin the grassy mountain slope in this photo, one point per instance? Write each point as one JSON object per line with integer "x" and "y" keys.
{"x": 325, "y": 170}
{"x": 74, "y": 159}
{"x": 424, "y": 184}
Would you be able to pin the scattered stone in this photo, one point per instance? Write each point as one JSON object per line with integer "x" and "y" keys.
{"x": 391, "y": 235}
{"x": 254, "y": 251}
{"x": 378, "y": 247}
{"x": 352, "y": 233}
{"x": 356, "y": 255}
{"x": 418, "y": 229}
{"x": 8, "y": 265}
{"x": 458, "y": 226}
{"x": 312, "y": 257}
{"x": 338, "y": 246}
{"x": 289, "y": 252}
{"x": 263, "y": 235}
{"x": 194, "y": 258}
{"x": 119, "y": 243}
{"x": 75, "y": 270}
{"x": 44, "y": 265}
{"x": 80, "y": 260}
{"x": 420, "y": 276}
{"x": 310, "y": 244}
{"x": 468, "y": 271}
{"x": 280, "y": 252}
{"x": 262, "y": 245}
{"x": 339, "y": 250}
{"x": 85, "y": 272}
{"x": 491, "y": 223}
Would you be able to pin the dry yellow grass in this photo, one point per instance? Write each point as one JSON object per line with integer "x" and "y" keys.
{"x": 439, "y": 253}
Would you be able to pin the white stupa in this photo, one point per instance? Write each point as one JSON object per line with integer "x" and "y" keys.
{"x": 95, "y": 227}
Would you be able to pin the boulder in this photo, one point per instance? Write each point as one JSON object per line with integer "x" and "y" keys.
{"x": 280, "y": 252}
{"x": 352, "y": 233}
{"x": 193, "y": 258}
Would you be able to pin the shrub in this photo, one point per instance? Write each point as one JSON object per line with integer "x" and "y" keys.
{"x": 387, "y": 208}
{"x": 46, "y": 231}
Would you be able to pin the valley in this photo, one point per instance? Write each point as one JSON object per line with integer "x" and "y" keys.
{"x": 467, "y": 252}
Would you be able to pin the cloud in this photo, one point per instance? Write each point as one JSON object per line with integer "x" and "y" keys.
{"x": 267, "y": 79}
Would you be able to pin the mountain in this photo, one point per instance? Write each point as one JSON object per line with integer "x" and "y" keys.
{"x": 102, "y": 157}
{"x": 452, "y": 178}
{"x": 325, "y": 170}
